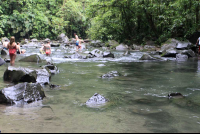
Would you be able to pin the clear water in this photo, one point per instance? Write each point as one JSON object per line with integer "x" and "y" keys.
{"x": 138, "y": 100}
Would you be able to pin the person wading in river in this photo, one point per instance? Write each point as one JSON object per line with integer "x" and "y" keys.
{"x": 77, "y": 41}
{"x": 12, "y": 47}
{"x": 47, "y": 48}
{"x": 79, "y": 44}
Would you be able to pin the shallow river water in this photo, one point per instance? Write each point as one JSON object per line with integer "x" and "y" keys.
{"x": 138, "y": 101}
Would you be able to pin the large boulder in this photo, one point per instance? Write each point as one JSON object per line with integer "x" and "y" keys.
{"x": 169, "y": 44}
{"x": 4, "y": 39}
{"x": 113, "y": 44}
{"x": 182, "y": 45}
{"x": 16, "y": 75}
{"x": 26, "y": 92}
{"x": 32, "y": 58}
{"x": 122, "y": 47}
{"x": 63, "y": 38}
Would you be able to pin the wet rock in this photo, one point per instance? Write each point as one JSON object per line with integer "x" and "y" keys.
{"x": 63, "y": 38}
{"x": 127, "y": 53}
{"x": 113, "y": 43}
{"x": 32, "y": 58}
{"x": 27, "y": 92}
{"x": 7, "y": 60}
{"x": 96, "y": 43}
{"x": 175, "y": 95}
{"x": 55, "y": 44}
{"x": 169, "y": 44}
{"x": 34, "y": 40}
{"x": 108, "y": 54}
{"x": 20, "y": 74}
{"x": 137, "y": 47}
{"x": 170, "y": 53}
{"x": 189, "y": 53}
{"x": 2, "y": 62}
{"x": 183, "y": 45}
{"x": 51, "y": 68}
{"x": 4, "y": 39}
{"x": 181, "y": 57}
{"x": 96, "y": 53}
{"x": 111, "y": 74}
{"x": 122, "y": 47}
{"x": 96, "y": 100}
{"x": 147, "y": 57}
{"x": 53, "y": 86}
{"x": 4, "y": 52}
{"x": 149, "y": 48}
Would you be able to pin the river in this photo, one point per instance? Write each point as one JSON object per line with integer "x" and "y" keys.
{"x": 138, "y": 101}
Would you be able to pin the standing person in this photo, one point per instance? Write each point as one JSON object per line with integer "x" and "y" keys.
{"x": 47, "y": 48}
{"x": 79, "y": 45}
{"x": 5, "y": 44}
{"x": 12, "y": 47}
{"x": 77, "y": 41}
{"x": 198, "y": 44}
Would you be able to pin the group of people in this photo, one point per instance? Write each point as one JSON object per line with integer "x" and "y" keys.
{"x": 14, "y": 48}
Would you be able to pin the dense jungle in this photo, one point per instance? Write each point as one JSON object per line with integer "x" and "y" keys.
{"x": 137, "y": 71}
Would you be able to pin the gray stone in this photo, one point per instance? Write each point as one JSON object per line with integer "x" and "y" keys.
{"x": 26, "y": 92}
{"x": 96, "y": 100}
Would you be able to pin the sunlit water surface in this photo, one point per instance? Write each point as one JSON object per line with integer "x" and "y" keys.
{"x": 138, "y": 100}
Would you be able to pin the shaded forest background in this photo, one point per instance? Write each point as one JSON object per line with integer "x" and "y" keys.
{"x": 125, "y": 21}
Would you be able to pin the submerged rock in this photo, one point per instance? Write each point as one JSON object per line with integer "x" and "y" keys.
{"x": 175, "y": 95}
{"x": 111, "y": 74}
{"x": 22, "y": 92}
{"x": 51, "y": 68}
{"x": 96, "y": 100}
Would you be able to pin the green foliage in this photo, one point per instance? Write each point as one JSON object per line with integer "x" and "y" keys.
{"x": 135, "y": 20}
{"x": 120, "y": 20}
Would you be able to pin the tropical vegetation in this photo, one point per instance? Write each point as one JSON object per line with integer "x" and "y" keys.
{"x": 121, "y": 20}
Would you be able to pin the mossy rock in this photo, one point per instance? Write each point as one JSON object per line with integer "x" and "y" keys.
{"x": 32, "y": 58}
